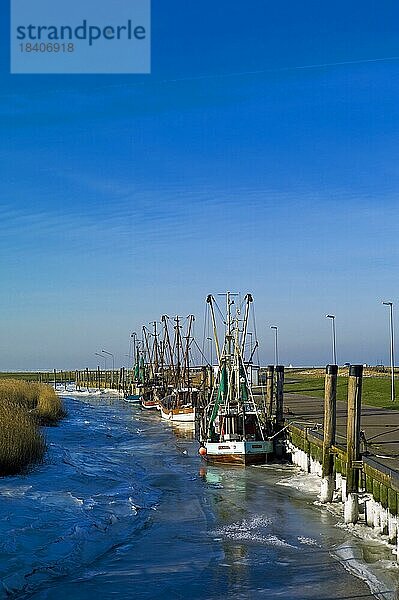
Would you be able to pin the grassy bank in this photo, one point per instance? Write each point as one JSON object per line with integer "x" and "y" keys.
{"x": 376, "y": 387}
{"x": 23, "y": 408}
{"x": 40, "y": 377}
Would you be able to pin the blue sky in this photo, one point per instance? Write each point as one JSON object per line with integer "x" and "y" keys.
{"x": 260, "y": 155}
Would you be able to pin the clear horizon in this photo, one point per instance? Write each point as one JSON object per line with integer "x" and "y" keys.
{"x": 259, "y": 155}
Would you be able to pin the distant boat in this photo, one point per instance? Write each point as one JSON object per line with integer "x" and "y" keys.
{"x": 179, "y": 406}
{"x": 133, "y": 398}
{"x": 135, "y": 391}
{"x": 149, "y": 400}
{"x": 231, "y": 429}
{"x": 149, "y": 404}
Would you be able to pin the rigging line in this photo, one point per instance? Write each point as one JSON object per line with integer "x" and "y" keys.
{"x": 220, "y": 312}
{"x": 205, "y": 330}
{"x": 202, "y": 354}
{"x": 256, "y": 337}
{"x": 241, "y": 302}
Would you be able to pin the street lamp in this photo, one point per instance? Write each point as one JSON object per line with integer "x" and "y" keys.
{"x": 390, "y": 304}
{"x": 104, "y": 359}
{"x": 275, "y": 343}
{"x": 113, "y": 366}
{"x": 334, "y": 351}
{"x": 110, "y": 354}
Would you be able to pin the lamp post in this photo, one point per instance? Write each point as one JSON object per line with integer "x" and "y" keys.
{"x": 104, "y": 359}
{"x": 334, "y": 346}
{"x": 390, "y": 304}
{"x": 275, "y": 344}
{"x": 110, "y": 354}
{"x": 113, "y": 365}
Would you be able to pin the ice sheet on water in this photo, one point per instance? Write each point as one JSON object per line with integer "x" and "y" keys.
{"x": 304, "y": 482}
{"x": 307, "y": 541}
{"x": 348, "y": 557}
{"x": 71, "y": 390}
{"x": 253, "y": 530}
{"x": 82, "y": 502}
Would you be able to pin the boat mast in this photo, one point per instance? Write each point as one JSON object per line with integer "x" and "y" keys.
{"x": 147, "y": 349}
{"x": 248, "y": 299}
{"x": 239, "y": 371}
{"x": 210, "y": 300}
{"x": 156, "y": 352}
{"x": 162, "y": 360}
{"x": 178, "y": 343}
{"x": 164, "y": 319}
{"x": 186, "y": 362}
{"x": 229, "y": 339}
{"x": 134, "y": 357}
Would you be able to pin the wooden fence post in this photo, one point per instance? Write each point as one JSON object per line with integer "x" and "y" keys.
{"x": 330, "y": 412}
{"x": 269, "y": 389}
{"x": 280, "y": 397}
{"x": 351, "y": 514}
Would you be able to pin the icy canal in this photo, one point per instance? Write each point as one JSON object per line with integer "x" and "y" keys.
{"x": 124, "y": 508}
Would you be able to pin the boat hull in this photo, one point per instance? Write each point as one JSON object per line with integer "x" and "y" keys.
{"x": 133, "y": 398}
{"x": 180, "y": 415}
{"x": 241, "y": 453}
{"x": 150, "y": 404}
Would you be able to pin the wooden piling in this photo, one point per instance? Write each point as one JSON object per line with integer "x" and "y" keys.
{"x": 279, "y": 397}
{"x": 353, "y": 443}
{"x": 122, "y": 380}
{"x": 330, "y": 411}
{"x": 269, "y": 389}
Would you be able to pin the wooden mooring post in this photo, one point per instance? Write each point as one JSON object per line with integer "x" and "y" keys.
{"x": 269, "y": 389}
{"x": 351, "y": 513}
{"x": 279, "y": 397}
{"x": 330, "y": 413}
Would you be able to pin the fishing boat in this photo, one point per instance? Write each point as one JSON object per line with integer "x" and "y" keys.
{"x": 232, "y": 428}
{"x": 153, "y": 388}
{"x": 181, "y": 397}
{"x": 179, "y": 405}
{"x": 134, "y": 392}
{"x": 133, "y": 398}
{"x": 149, "y": 403}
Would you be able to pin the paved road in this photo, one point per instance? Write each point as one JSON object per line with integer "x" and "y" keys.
{"x": 381, "y": 426}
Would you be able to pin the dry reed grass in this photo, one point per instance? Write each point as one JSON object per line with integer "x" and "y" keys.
{"x": 23, "y": 408}
{"x": 49, "y": 407}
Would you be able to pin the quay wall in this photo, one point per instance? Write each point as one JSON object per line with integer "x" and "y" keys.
{"x": 379, "y": 488}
